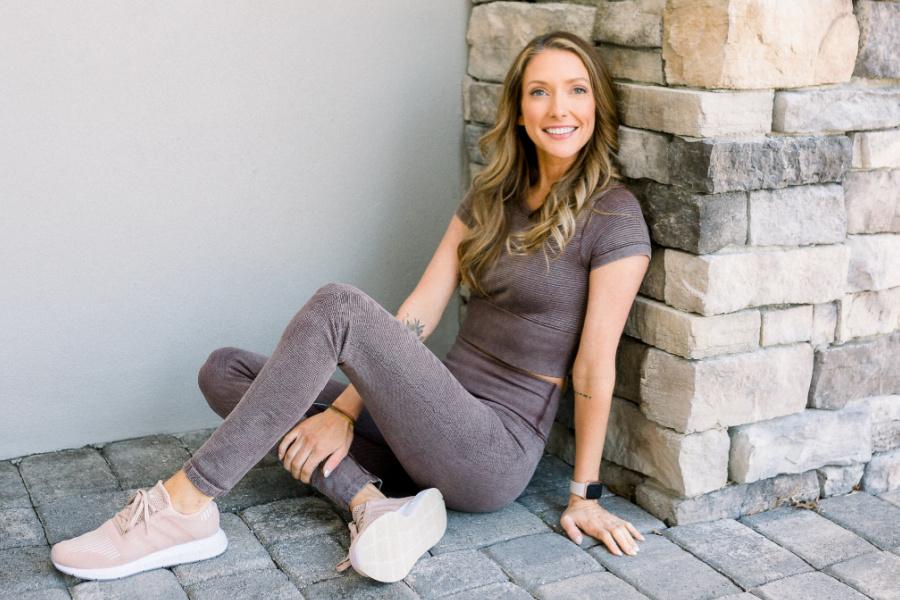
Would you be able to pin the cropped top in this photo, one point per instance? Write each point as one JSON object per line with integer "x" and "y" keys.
{"x": 532, "y": 317}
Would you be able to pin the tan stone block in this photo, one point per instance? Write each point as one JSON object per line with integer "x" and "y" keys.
{"x": 884, "y": 412}
{"x": 797, "y": 216}
{"x": 713, "y": 284}
{"x": 873, "y": 201}
{"x": 633, "y": 64}
{"x": 629, "y": 22}
{"x": 874, "y": 263}
{"x": 849, "y": 107}
{"x": 694, "y": 113}
{"x": 724, "y": 391}
{"x": 644, "y": 154}
{"x": 876, "y": 149}
{"x": 868, "y": 313}
{"x": 687, "y": 464}
{"x": 690, "y": 335}
{"x": 756, "y": 44}
{"x": 654, "y": 283}
{"x": 499, "y": 30}
{"x": 824, "y": 324}
{"x": 786, "y": 325}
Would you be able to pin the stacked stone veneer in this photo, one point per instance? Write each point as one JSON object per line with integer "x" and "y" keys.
{"x": 760, "y": 363}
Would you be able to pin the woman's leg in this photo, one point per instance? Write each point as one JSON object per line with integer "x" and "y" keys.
{"x": 442, "y": 435}
{"x": 226, "y": 376}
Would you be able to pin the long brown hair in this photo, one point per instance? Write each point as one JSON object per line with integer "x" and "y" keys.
{"x": 513, "y": 167}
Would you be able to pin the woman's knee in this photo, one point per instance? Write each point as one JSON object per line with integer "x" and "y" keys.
{"x": 332, "y": 293}
{"x": 211, "y": 377}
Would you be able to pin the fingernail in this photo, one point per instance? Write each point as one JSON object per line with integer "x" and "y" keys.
{"x": 327, "y": 472}
{"x": 579, "y": 540}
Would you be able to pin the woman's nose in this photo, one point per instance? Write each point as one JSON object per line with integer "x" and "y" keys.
{"x": 559, "y": 106}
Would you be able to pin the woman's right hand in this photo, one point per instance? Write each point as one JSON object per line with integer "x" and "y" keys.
{"x": 324, "y": 435}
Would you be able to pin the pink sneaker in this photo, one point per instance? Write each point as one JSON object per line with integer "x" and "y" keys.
{"x": 147, "y": 534}
{"x": 388, "y": 536}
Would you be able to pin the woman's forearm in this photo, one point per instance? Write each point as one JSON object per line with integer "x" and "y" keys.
{"x": 593, "y": 397}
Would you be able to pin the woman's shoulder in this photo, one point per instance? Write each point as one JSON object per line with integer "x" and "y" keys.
{"x": 616, "y": 196}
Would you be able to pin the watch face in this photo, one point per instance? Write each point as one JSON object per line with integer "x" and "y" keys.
{"x": 593, "y": 491}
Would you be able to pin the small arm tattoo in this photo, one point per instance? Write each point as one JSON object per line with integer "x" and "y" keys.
{"x": 577, "y": 393}
{"x": 417, "y": 327}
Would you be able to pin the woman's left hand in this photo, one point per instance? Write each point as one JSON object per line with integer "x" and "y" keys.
{"x": 589, "y": 517}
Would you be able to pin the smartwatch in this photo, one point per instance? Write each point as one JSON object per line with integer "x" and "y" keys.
{"x": 589, "y": 490}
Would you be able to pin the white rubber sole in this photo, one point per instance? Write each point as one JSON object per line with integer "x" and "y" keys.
{"x": 388, "y": 548}
{"x": 209, "y": 547}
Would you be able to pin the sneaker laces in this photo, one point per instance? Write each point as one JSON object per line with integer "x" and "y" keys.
{"x": 138, "y": 509}
{"x": 364, "y": 515}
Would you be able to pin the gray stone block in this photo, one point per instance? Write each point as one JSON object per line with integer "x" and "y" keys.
{"x": 663, "y": 571}
{"x": 293, "y": 519}
{"x": 741, "y": 554}
{"x": 475, "y": 530}
{"x": 698, "y": 223}
{"x": 309, "y": 560}
{"x": 20, "y": 527}
{"x": 354, "y": 585}
{"x": 797, "y": 216}
{"x": 55, "y": 475}
{"x": 837, "y": 481}
{"x": 28, "y": 569}
{"x": 593, "y": 585}
{"x": 472, "y": 135}
{"x": 260, "y": 486}
{"x": 269, "y": 584}
{"x": 879, "y": 39}
{"x": 813, "y": 538}
{"x": 808, "y": 586}
{"x": 551, "y": 475}
{"x": 877, "y": 575}
{"x": 12, "y": 489}
{"x": 534, "y": 560}
{"x": 51, "y": 594}
{"x": 765, "y": 162}
{"x": 507, "y": 591}
{"x": 893, "y": 497}
{"x": 142, "y": 462}
{"x": 855, "y": 370}
{"x": 454, "y": 572}
{"x": 68, "y": 517}
{"x": 855, "y": 106}
{"x": 882, "y": 472}
{"x": 158, "y": 584}
{"x": 244, "y": 553}
{"x": 869, "y": 517}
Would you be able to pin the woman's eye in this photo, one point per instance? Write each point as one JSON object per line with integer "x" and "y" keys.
{"x": 581, "y": 90}
{"x": 536, "y": 92}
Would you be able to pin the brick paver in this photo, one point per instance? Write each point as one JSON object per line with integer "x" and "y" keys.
{"x": 285, "y": 540}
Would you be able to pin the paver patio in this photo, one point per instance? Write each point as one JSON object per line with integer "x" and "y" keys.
{"x": 285, "y": 539}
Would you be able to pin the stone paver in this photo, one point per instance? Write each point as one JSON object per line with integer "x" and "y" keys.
{"x": 534, "y": 560}
{"x": 893, "y": 497}
{"x": 741, "y": 554}
{"x": 12, "y": 489}
{"x": 872, "y": 518}
{"x": 454, "y": 572}
{"x": 551, "y": 475}
{"x": 244, "y": 553}
{"x": 550, "y": 507}
{"x": 71, "y": 516}
{"x": 143, "y": 461}
{"x": 353, "y": 585}
{"x": 51, "y": 594}
{"x": 55, "y": 475}
{"x": 27, "y": 569}
{"x": 663, "y": 571}
{"x": 812, "y": 537}
{"x": 808, "y": 586}
{"x": 309, "y": 560}
{"x": 158, "y": 584}
{"x": 260, "y": 486}
{"x": 268, "y": 584}
{"x": 877, "y": 575}
{"x": 293, "y": 519}
{"x": 593, "y": 585}
{"x": 20, "y": 527}
{"x": 475, "y": 530}
{"x": 507, "y": 591}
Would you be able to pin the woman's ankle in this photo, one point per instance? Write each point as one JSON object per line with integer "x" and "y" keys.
{"x": 185, "y": 496}
{"x": 368, "y": 492}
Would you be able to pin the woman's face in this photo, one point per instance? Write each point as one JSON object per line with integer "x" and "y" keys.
{"x": 557, "y": 106}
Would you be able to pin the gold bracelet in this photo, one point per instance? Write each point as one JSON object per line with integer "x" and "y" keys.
{"x": 345, "y": 415}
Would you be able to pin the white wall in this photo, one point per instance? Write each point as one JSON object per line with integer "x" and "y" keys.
{"x": 177, "y": 176}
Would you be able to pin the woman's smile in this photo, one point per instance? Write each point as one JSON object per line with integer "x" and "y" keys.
{"x": 560, "y": 133}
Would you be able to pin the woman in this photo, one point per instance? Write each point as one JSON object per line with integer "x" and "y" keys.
{"x": 469, "y": 429}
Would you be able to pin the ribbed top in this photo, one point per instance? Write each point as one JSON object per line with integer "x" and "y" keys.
{"x": 532, "y": 317}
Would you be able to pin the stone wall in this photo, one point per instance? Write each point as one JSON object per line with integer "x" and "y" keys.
{"x": 760, "y": 361}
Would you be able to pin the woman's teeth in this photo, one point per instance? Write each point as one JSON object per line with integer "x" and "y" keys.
{"x": 559, "y": 130}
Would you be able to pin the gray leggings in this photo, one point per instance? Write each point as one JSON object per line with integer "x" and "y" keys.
{"x": 467, "y": 425}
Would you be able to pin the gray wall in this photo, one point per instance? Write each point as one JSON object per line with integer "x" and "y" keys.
{"x": 180, "y": 176}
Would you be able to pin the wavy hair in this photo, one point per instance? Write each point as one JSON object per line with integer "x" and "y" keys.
{"x": 512, "y": 167}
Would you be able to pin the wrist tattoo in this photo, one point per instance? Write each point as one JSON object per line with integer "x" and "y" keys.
{"x": 577, "y": 393}
{"x": 417, "y": 327}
